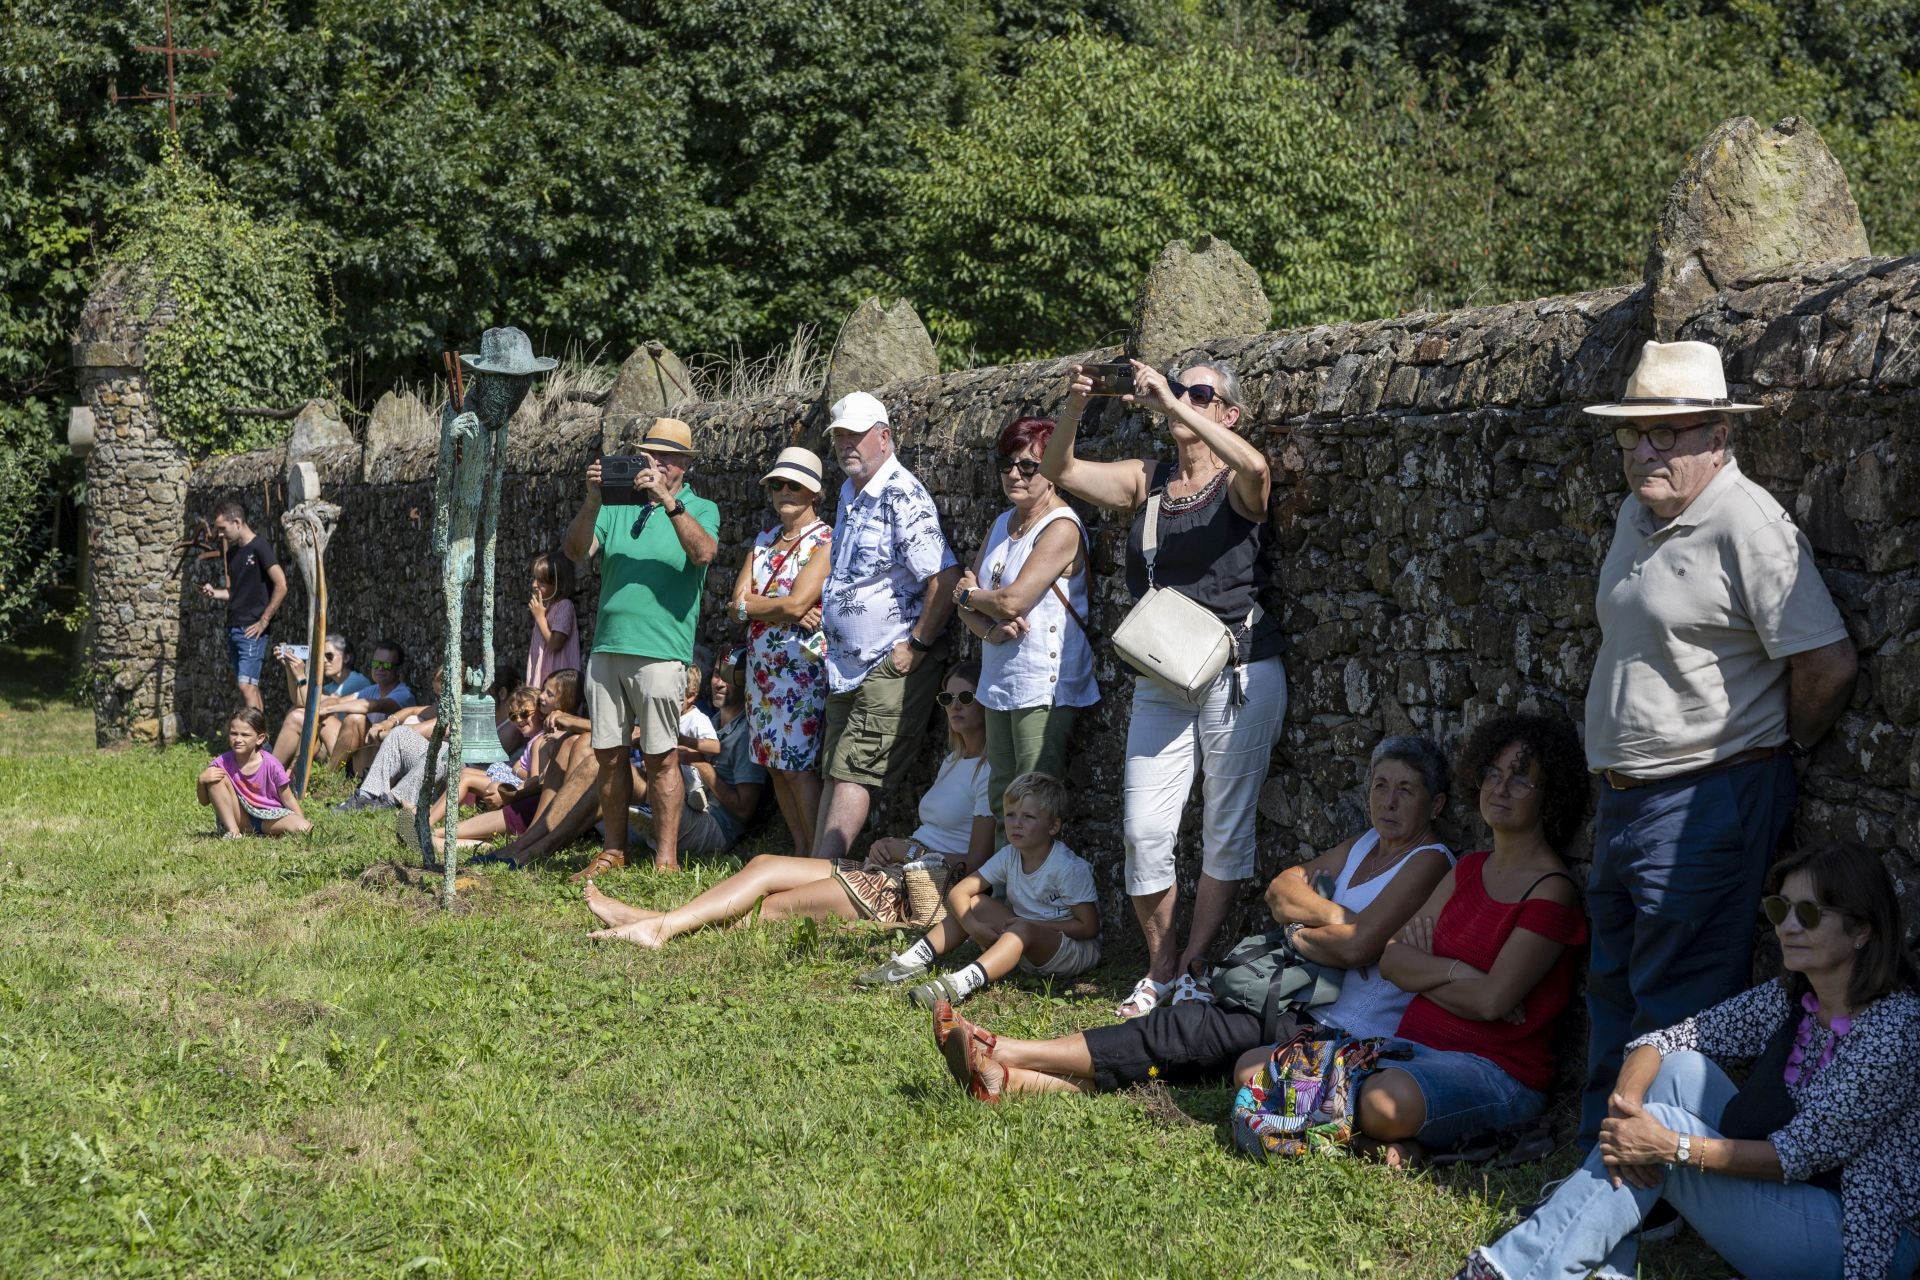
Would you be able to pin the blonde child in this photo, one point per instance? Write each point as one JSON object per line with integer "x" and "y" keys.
{"x": 247, "y": 787}
{"x": 1043, "y": 917}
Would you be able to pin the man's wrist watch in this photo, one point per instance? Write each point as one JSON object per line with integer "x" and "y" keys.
{"x": 966, "y": 598}
{"x": 918, "y": 645}
{"x": 678, "y": 509}
{"x": 1684, "y": 1154}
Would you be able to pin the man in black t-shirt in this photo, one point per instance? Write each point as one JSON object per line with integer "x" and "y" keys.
{"x": 256, "y": 585}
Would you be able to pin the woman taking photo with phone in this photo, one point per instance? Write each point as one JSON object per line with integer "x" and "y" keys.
{"x": 1026, "y": 598}
{"x": 1208, "y": 509}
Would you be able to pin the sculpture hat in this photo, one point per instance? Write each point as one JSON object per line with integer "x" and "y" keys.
{"x": 668, "y": 435}
{"x": 857, "y": 411}
{"x": 1673, "y": 378}
{"x": 508, "y": 351}
{"x": 802, "y": 466}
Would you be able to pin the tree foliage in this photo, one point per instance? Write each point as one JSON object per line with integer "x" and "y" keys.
{"x": 1032, "y": 224}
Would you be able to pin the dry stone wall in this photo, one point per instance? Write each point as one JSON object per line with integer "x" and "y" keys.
{"x": 1442, "y": 509}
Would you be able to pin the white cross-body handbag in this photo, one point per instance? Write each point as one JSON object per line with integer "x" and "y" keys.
{"x": 1167, "y": 637}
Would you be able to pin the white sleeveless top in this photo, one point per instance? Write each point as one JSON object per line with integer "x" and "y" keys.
{"x": 1369, "y": 1005}
{"x": 1052, "y": 665}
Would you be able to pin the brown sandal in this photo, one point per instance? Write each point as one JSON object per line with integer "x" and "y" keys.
{"x": 603, "y": 861}
{"x": 960, "y": 1049}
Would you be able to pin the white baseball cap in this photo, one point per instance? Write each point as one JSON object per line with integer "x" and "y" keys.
{"x": 858, "y": 411}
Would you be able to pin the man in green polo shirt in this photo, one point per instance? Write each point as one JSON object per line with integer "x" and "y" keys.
{"x": 654, "y": 556}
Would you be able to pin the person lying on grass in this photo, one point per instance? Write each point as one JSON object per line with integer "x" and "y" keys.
{"x": 1042, "y": 915}
{"x": 956, "y": 830}
{"x": 1338, "y": 910}
{"x": 1490, "y": 955}
{"x": 247, "y": 787}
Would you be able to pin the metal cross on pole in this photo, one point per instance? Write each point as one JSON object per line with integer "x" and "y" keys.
{"x": 172, "y": 97}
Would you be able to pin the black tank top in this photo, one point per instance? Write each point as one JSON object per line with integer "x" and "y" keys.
{"x": 1210, "y": 554}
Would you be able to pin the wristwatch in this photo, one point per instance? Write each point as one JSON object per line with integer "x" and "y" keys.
{"x": 1685, "y": 1153}
{"x": 966, "y": 597}
{"x": 679, "y": 508}
{"x": 740, "y": 610}
{"x": 918, "y": 645}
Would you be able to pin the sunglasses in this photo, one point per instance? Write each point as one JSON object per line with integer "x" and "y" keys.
{"x": 1776, "y": 906}
{"x": 777, "y": 485}
{"x": 946, "y": 699}
{"x": 523, "y": 718}
{"x": 381, "y": 664}
{"x": 1199, "y": 394}
{"x": 1661, "y": 438}
{"x": 1027, "y": 467}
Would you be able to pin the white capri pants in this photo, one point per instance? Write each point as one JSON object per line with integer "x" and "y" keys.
{"x": 1167, "y": 739}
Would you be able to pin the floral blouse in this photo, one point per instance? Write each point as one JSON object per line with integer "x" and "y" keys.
{"x": 1859, "y": 1114}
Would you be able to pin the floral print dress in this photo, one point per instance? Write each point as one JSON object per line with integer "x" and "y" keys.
{"x": 786, "y": 686}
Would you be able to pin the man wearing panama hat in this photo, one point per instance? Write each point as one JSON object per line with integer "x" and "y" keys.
{"x": 1722, "y": 658}
{"x": 654, "y": 558}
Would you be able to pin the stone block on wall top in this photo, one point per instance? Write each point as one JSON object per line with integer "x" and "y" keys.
{"x": 1751, "y": 201}
{"x": 317, "y": 427}
{"x": 652, "y": 381}
{"x": 1193, "y": 294}
{"x": 398, "y": 421}
{"x": 878, "y": 345}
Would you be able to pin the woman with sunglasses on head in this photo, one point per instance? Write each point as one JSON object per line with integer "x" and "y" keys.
{"x": 777, "y": 595}
{"x": 1212, "y": 541}
{"x": 1808, "y": 1171}
{"x": 955, "y": 832}
{"x": 1026, "y": 598}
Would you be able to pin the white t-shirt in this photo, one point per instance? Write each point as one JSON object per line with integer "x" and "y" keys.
{"x": 694, "y": 724}
{"x": 1063, "y": 882}
{"x": 958, "y": 796}
{"x": 1368, "y": 1005}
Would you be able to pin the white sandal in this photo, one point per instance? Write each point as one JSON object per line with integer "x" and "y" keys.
{"x": 1188, "y": 989}
{"x": 1143, "y": 1000}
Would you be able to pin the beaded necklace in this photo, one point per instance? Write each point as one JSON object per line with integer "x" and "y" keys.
{"x": 1796, "y": 1069}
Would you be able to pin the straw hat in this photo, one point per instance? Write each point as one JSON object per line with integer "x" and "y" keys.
{"x": 802, "y": 466}
{"x": 1672, "y": 378}
{"x": 668, "y": 435}
{"x": 508, "y": 351}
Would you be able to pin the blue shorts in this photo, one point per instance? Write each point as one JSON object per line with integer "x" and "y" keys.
{"x": 247, "y": 654}
{"x": 1464, "y": 1092}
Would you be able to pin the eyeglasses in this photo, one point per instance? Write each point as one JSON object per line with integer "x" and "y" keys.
{"x": 1027, "y": 467}
{"x": 1776, "y": 906}
{"x": 1199, "y": 393}
{"x": 1516, "y": 783}
{"x": 1661, "y": 438}
{"x": 381, "y": 664}
{"x": 777, "y": 485}
{"x": 946, "y": 699}
{"x": 523, "y": 718}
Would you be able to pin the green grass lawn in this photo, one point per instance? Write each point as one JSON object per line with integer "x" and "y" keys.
{"x": 227, "y": 1058}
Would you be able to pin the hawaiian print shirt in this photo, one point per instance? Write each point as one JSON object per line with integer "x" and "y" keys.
{"x": 886, "y": 544}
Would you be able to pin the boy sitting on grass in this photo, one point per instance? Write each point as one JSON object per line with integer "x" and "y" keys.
{"x": 1043, "y": 917}
{"x": 248, "y": 788}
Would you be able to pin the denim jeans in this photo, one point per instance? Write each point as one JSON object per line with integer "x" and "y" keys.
{"x": 1673, "y": 897}
{"x": 247, "y": 654}
{"x": 1765, "y": 1230}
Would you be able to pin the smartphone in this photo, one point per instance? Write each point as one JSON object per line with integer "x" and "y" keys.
{"x": 1112, "y": 379}
{"x": 617, "y": 471}
{"x": 298, "y": 652}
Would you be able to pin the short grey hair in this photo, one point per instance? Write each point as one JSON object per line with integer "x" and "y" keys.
{"x": 335, "y": 640}
{"x": 1227, "y": 382}
{"x": 1419, "y": 754}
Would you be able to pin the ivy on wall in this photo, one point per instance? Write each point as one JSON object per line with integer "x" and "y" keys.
{"x": 249, "y": 329}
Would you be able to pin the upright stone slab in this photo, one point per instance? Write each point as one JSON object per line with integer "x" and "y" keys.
{"x": 135, "y": 512}
{"x": 1194, "y": 294}
{"x": 399, "y": 421}
{"x": 317, "y": 428}
{"x": 652, "y": 382}
{"x": 878, "y": 345}
{"x": 1750, "y": 202}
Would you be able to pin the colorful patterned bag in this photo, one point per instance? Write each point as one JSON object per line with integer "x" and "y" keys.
{"x": 1302, "y": 1101}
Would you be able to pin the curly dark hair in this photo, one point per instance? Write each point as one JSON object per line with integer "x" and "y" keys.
{"x": 1551, "y": 741}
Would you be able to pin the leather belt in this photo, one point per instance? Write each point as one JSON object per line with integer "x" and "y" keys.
{"x": 1627, "y": 782}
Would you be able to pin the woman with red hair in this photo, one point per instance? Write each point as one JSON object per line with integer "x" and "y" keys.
{"x": 1026, "y": 598}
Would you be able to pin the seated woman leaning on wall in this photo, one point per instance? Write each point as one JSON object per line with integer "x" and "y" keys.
{"x": 1339, "y": 910}
{"x": 956, "y": 830}
{"x": 1808, "y": 1171}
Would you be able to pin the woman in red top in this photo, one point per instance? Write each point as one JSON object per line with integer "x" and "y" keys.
{"x": 1491, "y": 955}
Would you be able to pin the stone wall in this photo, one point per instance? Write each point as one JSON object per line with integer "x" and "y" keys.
{"x": 1442, "y": 508}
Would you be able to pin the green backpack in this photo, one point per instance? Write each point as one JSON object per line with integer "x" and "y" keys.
{"x": 1264, "y": 976}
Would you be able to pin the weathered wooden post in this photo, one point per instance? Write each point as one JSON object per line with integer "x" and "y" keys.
{"x": 309, "y": 525}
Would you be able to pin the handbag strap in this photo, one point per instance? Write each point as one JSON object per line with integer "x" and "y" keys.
{"x": 1150, "y": 536}
{"x": 1086, "y": 567}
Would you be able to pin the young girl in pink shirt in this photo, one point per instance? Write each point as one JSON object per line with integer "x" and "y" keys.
{"x": 247, "y": 787}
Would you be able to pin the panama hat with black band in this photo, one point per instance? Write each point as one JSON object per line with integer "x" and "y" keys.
{"x": 800, "y": 465}
{"x": 1671, "y": 379}
{"x": 668, "y": 435}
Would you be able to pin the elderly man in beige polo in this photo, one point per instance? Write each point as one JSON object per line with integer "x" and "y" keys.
{"x": 1722, "y": 658}
{"x": 655, "y": 540}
